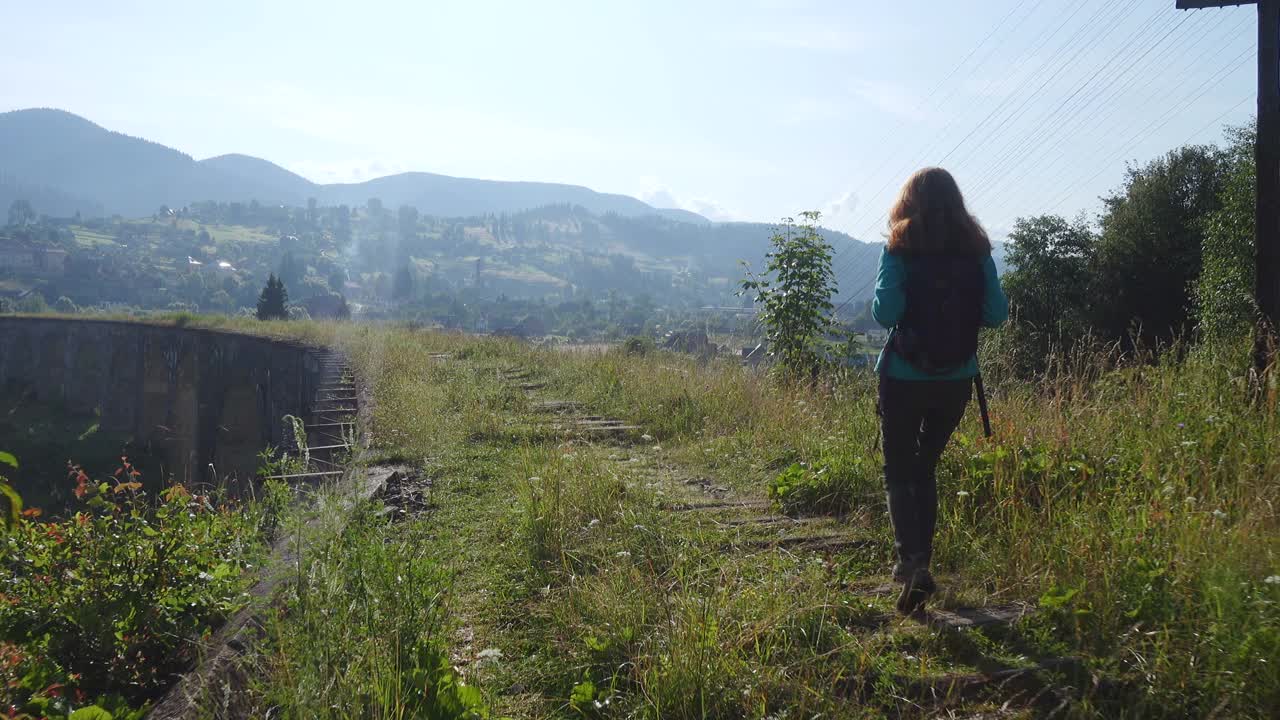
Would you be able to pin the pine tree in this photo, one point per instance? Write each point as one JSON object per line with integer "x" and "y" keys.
{"x": 273, "y": 303}
{"x": 402, "y": 285}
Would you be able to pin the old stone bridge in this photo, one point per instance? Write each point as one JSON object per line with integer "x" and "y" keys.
{"x": 193, "y": 396}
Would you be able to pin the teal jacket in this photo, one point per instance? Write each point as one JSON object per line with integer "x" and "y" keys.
{"x": 891, "y": 301}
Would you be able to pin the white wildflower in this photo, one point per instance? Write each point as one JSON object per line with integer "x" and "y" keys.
{"x": 962, "y": 493}
{"x": 1272, "y": 580}
{"x": 622, "y": 554}
{"x": 1219, "y": 514}
{"x": 646, "y": 437}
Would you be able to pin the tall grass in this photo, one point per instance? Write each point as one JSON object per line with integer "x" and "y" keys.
{"x": 363, "y": 634}
{"x": 1133, "y": 502}
{"x": 1136, "y": 502}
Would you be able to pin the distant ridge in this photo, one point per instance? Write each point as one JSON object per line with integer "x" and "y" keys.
{"x": 77, "y": 165}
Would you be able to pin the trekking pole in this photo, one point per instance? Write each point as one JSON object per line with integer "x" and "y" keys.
{"x": 982, "y": 404}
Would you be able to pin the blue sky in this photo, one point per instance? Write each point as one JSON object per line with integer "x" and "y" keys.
{"x": 741, "y": 110}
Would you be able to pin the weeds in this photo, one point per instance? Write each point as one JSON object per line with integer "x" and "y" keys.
{"x": 369, "y": 603}
{"x": 106, "y": 606}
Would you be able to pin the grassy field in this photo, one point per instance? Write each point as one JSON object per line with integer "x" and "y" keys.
{"x": 1127, "y": 514}
{"x": 724, "y": 553}
{"x": 221, "y": 234}
{"x": 90, "y": 238}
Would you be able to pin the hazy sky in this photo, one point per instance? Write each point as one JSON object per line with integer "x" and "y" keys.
{"x": 739, "y": 110}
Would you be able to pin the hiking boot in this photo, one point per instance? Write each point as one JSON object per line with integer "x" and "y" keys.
{"x": 916, "y": 591}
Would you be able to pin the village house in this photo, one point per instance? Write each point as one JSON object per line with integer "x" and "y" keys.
{"x": 23, "y": 258}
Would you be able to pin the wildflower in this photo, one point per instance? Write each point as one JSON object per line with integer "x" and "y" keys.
{"x": 622, "y": 554}
{"x": 962, "y": 493}
{"x": 1272, "y": 580}
{"x": 646, "y": 437}
{"x": 1219, "y": 514}
{"x": 1190, "y": 500}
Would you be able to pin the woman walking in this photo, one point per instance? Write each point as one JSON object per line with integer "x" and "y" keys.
{"x": 935, "y": 287}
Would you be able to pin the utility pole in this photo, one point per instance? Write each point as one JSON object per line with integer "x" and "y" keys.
{"x": 1267, "y": 158}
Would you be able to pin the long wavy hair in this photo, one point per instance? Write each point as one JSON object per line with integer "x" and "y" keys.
{"x": 929, "y": 216}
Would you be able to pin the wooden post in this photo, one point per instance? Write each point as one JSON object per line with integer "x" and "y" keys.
{"x": 1267, "y": 219}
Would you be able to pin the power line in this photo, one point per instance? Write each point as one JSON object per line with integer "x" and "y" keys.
{"x": 1026, "y": 100}
{"x": 856, "y": 295}
{"x": 1017, "y": 92}
{"x": 1098, "y": 122}
{"x": 1156, "y": 125}
{"x": 1218, "y": 119}
{"x": 1044, "y": 142}
{"x": 889, "y": 154}
{"x": 1071, "y": 107}
{"x": 868, "y": 249}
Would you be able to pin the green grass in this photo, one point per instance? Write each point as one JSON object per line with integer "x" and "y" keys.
{"x": 90, "y": 238}
{"x": 223, "y": 234}
{"x": 1135, "y": 506}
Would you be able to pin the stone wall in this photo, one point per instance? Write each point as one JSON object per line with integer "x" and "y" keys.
{"x": 194, "y": 396}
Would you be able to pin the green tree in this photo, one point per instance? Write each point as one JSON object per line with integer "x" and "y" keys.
{"x": 32, "y": 302}
{"x": 1225, "y": 304}
{"x": 1149, "y": 253}
{"x": 21, "y": 212}
{"x": 291, "y": 271}
{"x": 402, "y": 286}
{"x": 273, "y": 303}
{"x": 1049, "y": 282}
{"x": 795, "y": 293}
{"x": 337, "y": 280}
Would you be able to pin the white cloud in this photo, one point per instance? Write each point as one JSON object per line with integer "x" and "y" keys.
{"x": 660, "y": 196}
{"x": 840, "y": 211}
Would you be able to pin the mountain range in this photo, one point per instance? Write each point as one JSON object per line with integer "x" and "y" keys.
{"x": 63, "y": 164}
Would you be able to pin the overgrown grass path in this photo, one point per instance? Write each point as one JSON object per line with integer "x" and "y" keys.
{"x": 715, "y": 587}
{"x": 642, "y": 535}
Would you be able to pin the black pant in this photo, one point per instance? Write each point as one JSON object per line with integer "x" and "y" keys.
{"x": 917, "y": 418}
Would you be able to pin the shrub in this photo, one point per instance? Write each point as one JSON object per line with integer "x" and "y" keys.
{"x": 104, "y": 605}
{"x": 638, "y": 345}
{"x": 829, "y": 486}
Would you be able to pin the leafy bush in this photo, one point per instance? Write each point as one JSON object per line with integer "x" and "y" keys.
{"x": 795, "y": 293}
{"x": 829, "y": 486}
{"x": 637, "y": 345}
{"x": 104, "y": 605}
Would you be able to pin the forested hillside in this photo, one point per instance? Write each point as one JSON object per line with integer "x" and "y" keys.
{"x": 557, "y": 263}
